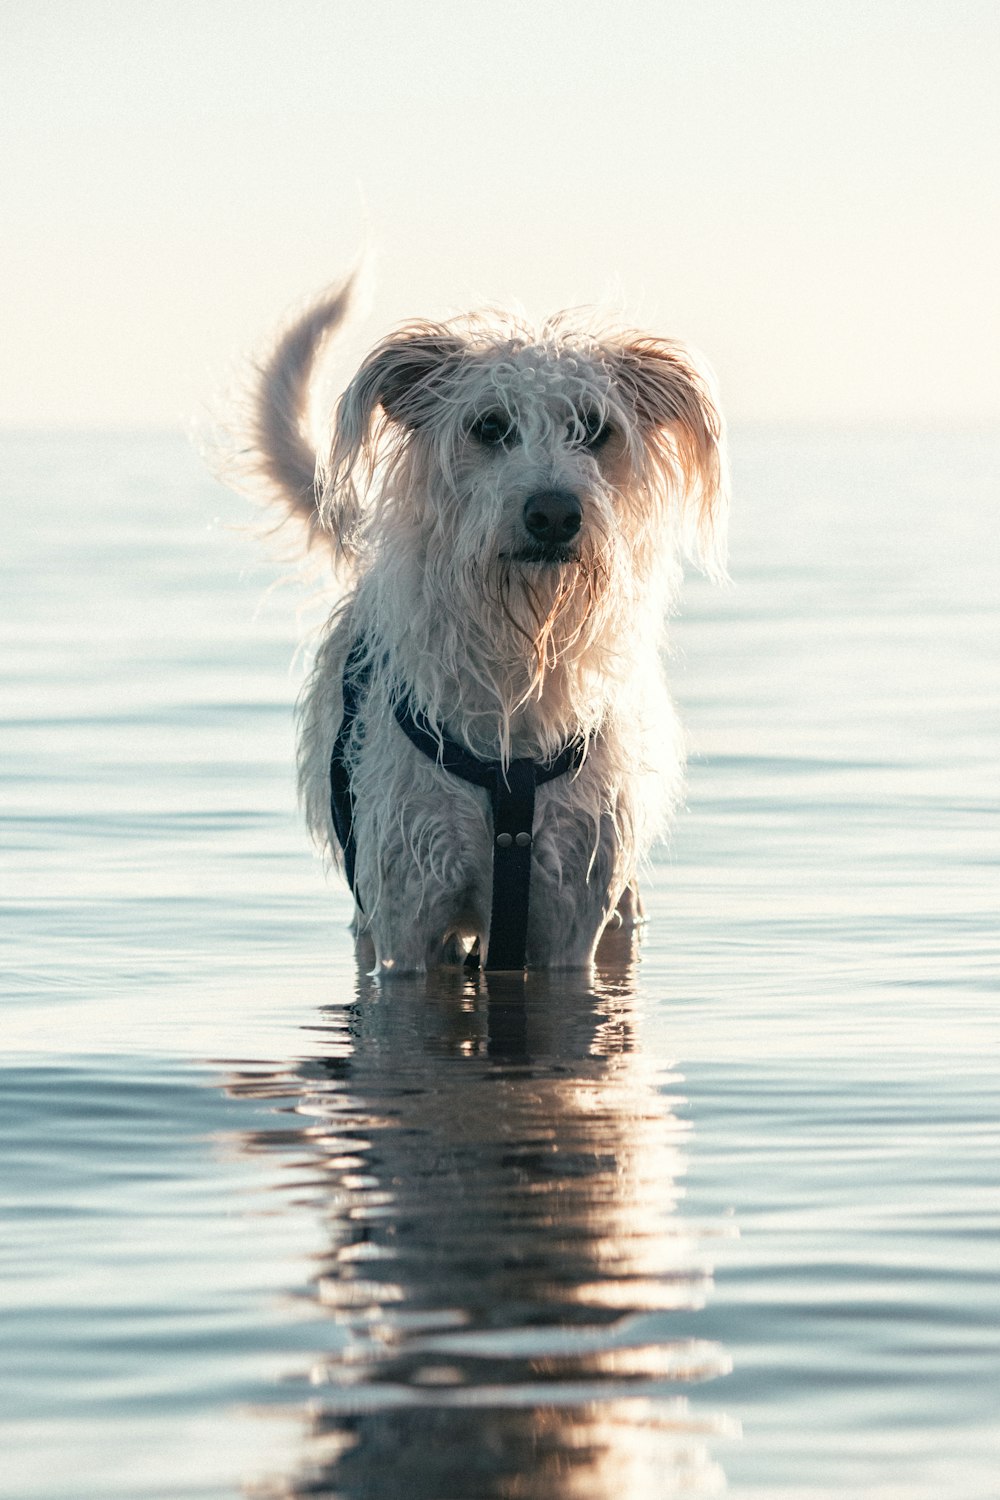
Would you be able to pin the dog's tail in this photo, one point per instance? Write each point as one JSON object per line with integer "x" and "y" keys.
{"x": 283, "y": 455}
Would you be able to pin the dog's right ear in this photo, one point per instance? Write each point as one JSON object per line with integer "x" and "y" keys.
{"x": 396, "y": 392}
{"x": 406, "y": 373}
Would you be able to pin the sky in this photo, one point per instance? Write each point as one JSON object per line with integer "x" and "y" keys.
{"x": 807, "y": 191}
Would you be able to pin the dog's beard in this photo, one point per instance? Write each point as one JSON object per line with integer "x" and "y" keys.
{"x": 547, "y": 608}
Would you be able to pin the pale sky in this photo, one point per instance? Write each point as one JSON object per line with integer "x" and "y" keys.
{"x": 808, "y": 190}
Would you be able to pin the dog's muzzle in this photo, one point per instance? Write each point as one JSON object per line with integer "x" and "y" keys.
{"x": 553, "y": 518}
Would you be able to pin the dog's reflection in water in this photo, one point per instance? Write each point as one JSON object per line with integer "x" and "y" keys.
{"x": 509, "y": 1283}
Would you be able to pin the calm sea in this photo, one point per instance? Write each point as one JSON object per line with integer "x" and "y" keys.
{"x": 728, "y": 1215}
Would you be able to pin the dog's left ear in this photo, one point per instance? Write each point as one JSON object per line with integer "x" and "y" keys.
{"x": 677, "y": 411}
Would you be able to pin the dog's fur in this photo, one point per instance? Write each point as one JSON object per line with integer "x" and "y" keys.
{"x": 513, "y": 638}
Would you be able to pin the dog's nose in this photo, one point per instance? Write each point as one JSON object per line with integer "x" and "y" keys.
{"x": 553, "y": 515}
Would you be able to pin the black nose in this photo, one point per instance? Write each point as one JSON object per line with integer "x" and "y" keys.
{"x": 553, "y": 516}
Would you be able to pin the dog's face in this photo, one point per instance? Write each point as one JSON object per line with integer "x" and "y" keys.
{"x": 546, "y": 472}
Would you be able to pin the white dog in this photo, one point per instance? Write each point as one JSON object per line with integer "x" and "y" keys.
{"x": 505, "y": 509}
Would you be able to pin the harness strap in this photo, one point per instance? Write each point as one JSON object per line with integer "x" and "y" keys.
{"x": 357, "y": 671}
{"x": 512, "y": 802}
{"x": 513, "y": 825}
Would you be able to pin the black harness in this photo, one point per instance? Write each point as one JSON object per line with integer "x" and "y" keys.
{"x": 512, "y": 799}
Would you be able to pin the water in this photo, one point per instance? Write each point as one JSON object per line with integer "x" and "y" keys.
{"x": 727, "y": 1215}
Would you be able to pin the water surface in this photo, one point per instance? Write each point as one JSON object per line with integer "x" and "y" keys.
{"x": 724, "y": 1215}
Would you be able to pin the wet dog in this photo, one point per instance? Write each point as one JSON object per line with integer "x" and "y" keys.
{"x": 505, "y": 510}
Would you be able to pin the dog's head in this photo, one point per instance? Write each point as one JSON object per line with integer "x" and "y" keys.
{"x": 546, "y": 473}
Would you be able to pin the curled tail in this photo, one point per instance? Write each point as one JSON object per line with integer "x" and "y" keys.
{"x": 283, "y": 455}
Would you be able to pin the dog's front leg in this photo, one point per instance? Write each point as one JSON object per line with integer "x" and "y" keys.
{"x": 402, "y": 950}
{"x": 421, "y": 919}
{"x": 407, "y": 927}
{"x": 571, "y": 904}
{"x": 563, "y": 933}
{"x": 424, "y": 857}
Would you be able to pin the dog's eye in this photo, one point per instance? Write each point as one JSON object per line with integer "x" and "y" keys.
{"x": 494, "y": 430}
{"x": 590, "y": 430}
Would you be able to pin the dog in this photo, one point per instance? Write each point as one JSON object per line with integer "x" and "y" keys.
{"x": 505, "y": 510}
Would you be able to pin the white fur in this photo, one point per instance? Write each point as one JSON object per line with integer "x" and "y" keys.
{"x": 511, "y": 644}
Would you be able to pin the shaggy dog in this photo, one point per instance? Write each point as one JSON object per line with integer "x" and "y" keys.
{"x": 505, "y": 509}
